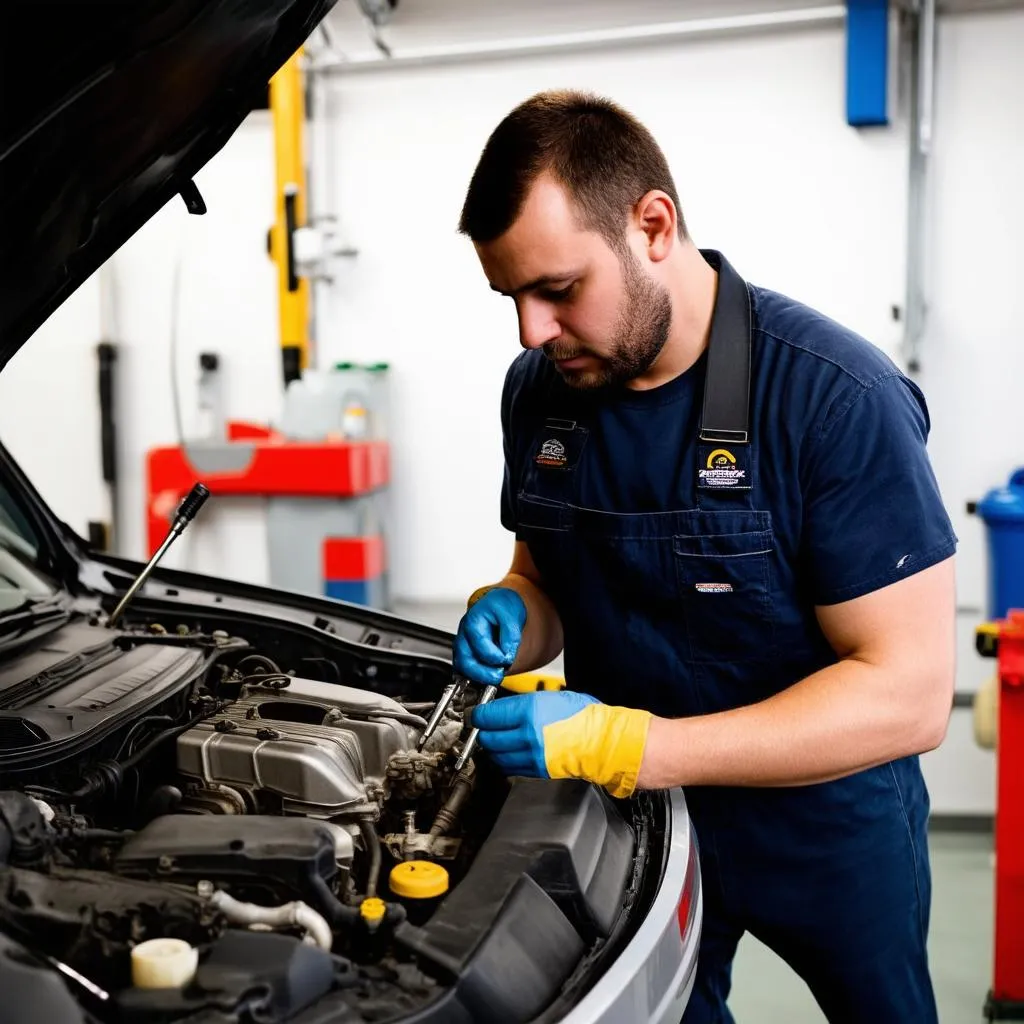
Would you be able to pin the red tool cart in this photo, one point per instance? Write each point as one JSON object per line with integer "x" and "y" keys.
{"x": 325, "y": 526}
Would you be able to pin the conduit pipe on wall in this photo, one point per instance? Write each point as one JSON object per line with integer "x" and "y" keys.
{"x": 568, "y": 42}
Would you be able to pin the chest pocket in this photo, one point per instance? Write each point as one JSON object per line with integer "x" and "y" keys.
{"x": 725, "y": 581}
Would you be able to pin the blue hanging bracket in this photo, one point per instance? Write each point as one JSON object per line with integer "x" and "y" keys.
{"x": 867, "y": 62}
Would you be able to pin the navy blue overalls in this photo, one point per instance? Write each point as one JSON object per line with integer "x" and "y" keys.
{"x": 684, "y": 574}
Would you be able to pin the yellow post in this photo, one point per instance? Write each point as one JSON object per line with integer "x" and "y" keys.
{"x": 287, "y": 104}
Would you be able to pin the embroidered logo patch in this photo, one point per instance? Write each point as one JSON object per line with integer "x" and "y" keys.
{"x": 713, "y": 588}
{"x": 723, "y": 469}
{"x": 552, "y": 453}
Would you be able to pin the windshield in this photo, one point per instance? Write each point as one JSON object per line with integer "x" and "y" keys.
{"x": 21, "y": 581}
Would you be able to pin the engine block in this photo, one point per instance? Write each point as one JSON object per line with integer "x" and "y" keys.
{"x": 320, "y": 749}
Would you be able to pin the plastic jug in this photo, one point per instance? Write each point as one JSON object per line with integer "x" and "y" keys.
{"x": 1002, "y": 510}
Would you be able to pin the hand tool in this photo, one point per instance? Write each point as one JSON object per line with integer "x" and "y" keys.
{"x": 453, "y": 689}
{"x": 490, "y": 692}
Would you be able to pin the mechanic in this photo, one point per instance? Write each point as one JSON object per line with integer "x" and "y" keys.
{"x": 726, "y": 519}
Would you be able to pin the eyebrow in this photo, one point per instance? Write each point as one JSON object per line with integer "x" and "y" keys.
{"x": 538, "y": 282}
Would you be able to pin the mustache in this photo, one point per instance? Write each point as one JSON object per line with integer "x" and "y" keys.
{"x": 557, "y": 354}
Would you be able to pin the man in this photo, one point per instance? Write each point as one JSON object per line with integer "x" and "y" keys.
{"x": 724, "y": 512}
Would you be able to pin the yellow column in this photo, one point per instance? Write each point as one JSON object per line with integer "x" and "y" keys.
{"x": 287, "y": 105}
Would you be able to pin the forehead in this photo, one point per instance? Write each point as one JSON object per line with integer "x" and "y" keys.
{"x": 545, "y": 240}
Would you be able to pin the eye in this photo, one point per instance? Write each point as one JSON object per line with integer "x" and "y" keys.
{"x": 557, "y": 294}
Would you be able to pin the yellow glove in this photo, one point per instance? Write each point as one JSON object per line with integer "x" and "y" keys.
{"x": 560, "y": 735}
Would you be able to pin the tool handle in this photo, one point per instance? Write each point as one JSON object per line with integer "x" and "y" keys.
{"x": 490, "y": 692}
{"x": 192, "y": 503}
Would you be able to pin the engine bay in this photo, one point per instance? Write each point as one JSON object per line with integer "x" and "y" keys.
{"x": 248, "y": 807}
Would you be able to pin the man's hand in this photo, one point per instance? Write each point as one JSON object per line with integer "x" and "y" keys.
{"x": 489, "y": 636}
{"x": 565, "y": 735}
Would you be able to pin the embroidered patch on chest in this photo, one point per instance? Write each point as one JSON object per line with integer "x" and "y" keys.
{"x": 721, "y": 469}
{"x": 713, "y": 588}
{"x": 552, "y": 453}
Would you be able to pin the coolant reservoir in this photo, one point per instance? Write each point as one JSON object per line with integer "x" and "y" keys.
{"x": 164, "y": 963}
{"x": 419, "y": 884}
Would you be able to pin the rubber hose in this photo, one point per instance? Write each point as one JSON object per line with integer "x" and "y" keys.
{"x": 369, "y": 834}
{"x": 296, "y": 913}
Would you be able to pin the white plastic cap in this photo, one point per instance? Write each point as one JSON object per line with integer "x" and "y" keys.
{"x": 164, "y": 963}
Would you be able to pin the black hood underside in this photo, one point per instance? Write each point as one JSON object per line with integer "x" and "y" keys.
{"x": 107, "y": 111}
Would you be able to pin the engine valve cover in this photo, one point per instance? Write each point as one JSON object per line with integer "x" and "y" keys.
{"x": 321, "y": 748}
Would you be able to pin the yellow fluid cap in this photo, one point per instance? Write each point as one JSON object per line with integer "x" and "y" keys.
{"x": 419, "y": 880}
{"x": 372, "y": 910}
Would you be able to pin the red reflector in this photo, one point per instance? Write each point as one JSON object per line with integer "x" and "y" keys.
{"x": 686, "y": 898}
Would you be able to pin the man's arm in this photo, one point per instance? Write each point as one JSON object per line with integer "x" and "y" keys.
{"x": 888, "y": 696}
{"x": 542, "y": 634}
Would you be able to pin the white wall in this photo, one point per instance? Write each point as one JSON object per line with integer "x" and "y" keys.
{"x": 49, "y": 410}
{"x": 973, "y": 351}
{"x": 226, "y": 303}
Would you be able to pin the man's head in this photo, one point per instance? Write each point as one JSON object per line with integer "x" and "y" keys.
{"x": 572, "y": 209}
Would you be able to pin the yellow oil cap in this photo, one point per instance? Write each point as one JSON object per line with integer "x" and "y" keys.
{"x": 419, "y": 880}
{"x": 372, "y": 910}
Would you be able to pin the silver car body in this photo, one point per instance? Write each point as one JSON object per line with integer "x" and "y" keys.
{"x": 652, "y": 978}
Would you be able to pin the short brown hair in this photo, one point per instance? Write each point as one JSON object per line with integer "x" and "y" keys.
{"x": 604, "y": 158}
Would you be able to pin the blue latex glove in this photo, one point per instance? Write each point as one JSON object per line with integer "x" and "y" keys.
{"x": 489, "y": 635}
{"x": 560, "y": 735}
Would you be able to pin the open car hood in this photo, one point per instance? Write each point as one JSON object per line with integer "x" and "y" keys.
{"x": 107, "y": 111}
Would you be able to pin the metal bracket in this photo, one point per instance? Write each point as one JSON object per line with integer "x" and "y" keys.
{"x": 922, "y": 112}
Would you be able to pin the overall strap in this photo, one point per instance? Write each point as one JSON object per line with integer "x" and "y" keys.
{"x": 724, "y": 451}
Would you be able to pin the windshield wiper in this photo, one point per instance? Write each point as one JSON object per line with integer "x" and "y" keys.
{"x": 36, "y": 618}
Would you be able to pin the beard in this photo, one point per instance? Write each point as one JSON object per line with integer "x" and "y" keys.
{"x": 642, "y": 328}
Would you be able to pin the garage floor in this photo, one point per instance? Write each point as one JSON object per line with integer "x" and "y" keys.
{"x": 767, "y": 991}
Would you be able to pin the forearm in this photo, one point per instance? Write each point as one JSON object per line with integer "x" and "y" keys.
{"x": 843, "y": 719}
{"x": 542, "y": 634}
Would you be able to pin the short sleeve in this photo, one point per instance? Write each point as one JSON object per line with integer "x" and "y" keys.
{"x": 873, "y": 513}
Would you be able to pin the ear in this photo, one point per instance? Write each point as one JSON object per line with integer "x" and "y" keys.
{"x": 656, "y": 218}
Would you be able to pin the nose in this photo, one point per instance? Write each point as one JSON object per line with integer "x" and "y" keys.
{"x": 537, "y": 324}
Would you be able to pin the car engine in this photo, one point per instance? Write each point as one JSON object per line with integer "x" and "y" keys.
{"x": 244, "y": 808}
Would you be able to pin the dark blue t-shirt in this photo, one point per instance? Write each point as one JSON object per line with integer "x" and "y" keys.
{"x": 842, "y": 467}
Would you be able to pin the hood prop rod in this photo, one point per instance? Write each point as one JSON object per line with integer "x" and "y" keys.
{"x": 187, "y": 510}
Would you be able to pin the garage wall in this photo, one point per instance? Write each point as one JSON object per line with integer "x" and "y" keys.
{"x": 53, "y": 377}
{"x": 973, "y": 351}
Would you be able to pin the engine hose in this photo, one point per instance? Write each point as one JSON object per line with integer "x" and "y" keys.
{"x": 299, "y": 914}
{"x": 406, "y": 718}
{"x": 462, "y": 786}
{"x": 104, "y": 778}
{"x": 159, "y": 738}
{"x": 370, "y": 837}
{"x": 341, "y": 915}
